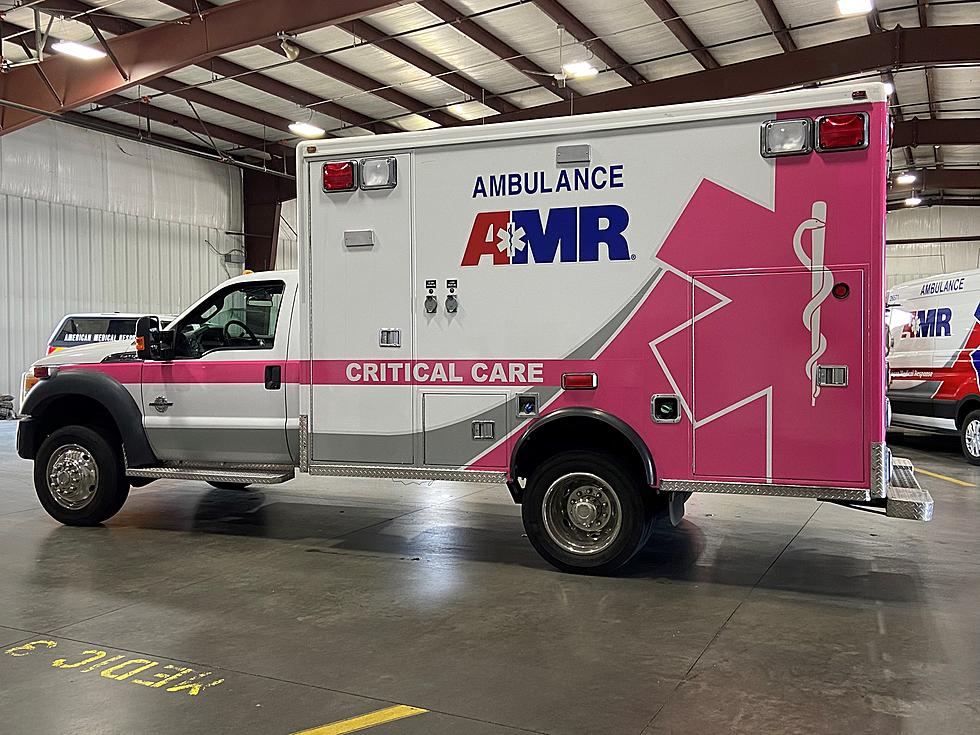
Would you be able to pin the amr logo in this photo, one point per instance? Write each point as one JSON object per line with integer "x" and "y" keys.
{"x": 821, "y": 284}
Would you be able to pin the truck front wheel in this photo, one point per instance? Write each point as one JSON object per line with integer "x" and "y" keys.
{"x": 79, "y": 476}
{"x": 583, "y": 512}
{"x": 970, "y": 437}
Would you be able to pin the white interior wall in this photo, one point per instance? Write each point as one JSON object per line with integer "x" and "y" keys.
{"x": 90, "y": 222}
{"x": 921, "y": 260}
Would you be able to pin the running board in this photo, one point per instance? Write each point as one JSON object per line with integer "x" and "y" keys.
{"x": 905, "y": 498}
{"x": 215, "y": 474}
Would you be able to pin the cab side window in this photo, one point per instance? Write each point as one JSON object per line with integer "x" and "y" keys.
{"x": 241, "y": 317}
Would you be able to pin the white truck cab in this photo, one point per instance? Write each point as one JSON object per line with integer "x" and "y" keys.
{"x": 605, "y": 312}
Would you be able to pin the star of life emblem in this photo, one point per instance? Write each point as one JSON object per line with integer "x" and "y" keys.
{"x": 509, "y": 240}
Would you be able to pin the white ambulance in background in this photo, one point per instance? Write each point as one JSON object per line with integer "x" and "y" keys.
{"x": 934, "y": 356}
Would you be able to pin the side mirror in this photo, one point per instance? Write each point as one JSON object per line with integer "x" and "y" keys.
{"x": 152, "y": 342}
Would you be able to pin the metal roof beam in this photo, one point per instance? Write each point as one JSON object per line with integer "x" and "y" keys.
{"x": 777, "y": 24}
{"x": 366, "y": 32}
{"x": 942, "y": 178}
{"x": 683, "y": 33}
{"x": 874, "y": 26}
{"x": 243, "y": 75}
{"x": 152, "y": 52}
{"x": 336, "y": 70}
{"x": 588, "y": 38}
{"x": 475, "y": 32}
{"x": 342, "y": 73}
{"x": 946, "y": 131}
{"x": 883, "y": 51}
{"x": 191, "y": 124}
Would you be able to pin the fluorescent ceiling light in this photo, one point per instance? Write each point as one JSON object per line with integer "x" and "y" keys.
{"x": 913, "y": 201}
{"x": 855, "y": 7}
{"x": 78, "y": 50}
{"x": 307, "y": 130}
{"x": 579, "y": 70}
{"x": 906, "y": 178}
{"x": 889, "y": 89}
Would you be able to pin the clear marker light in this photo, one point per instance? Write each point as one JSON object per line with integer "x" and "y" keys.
{"x": 307, "y": 130}
{"x": 906, "y": 178}
{"x": 579, "y": 70}
{"x": 889, "y": 89}
{"x": 855, "y": 7}
{"x": 78, "y": 50}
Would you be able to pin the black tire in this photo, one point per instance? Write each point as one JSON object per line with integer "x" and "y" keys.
{"x": 972, "y": 418}
{"x": 614, "y": 546}
{"x": 91, "y": 504}
{"x": 229, "y": 485}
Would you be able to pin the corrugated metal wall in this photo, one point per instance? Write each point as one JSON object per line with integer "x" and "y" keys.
{"x": 92, "y": 223}
{"x": 921, "y": 260}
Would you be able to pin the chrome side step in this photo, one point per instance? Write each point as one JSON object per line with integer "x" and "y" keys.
{"x": 215, "y": 474}
{"x": 905, "y": 498}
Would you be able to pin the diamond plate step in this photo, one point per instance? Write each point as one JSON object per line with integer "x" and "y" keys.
{"x": 905, "y": 498}
{"x": 217, "y": 474}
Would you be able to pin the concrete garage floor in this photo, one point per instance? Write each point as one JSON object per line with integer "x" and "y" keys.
{"x": 756, "y": 615}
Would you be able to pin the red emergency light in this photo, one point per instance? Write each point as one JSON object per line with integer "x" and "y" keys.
{"x": 844, "y": 132}
{"x": 340, "y": 176}
{"x": 579, "y": 381}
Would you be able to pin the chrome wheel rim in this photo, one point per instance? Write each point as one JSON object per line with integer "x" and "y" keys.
{"x": 73, "y": 476}
{"x": 973, "y": 438}
{"x": 581, "y": 514}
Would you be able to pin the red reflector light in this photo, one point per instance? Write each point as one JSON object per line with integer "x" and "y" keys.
{"x": 579, "y": 381}
{"x": 339, "y": 176}
{"x": 841, "y": 290}
{"x": 42, "y": 372}
{"x": 842, "y": 132}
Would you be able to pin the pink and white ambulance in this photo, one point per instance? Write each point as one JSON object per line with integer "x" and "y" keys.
{"x": 606, "y": 312}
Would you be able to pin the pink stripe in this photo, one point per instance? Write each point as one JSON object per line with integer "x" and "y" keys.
{"x": 446, "y": 372}
{"x": 347, "y": 372}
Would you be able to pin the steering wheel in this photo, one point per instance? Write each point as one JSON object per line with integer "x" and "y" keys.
{"x": 244, "y": 326}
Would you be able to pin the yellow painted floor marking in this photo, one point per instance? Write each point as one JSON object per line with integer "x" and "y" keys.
{"x": 953, "y": 480}
{"x": 363, "y": 722}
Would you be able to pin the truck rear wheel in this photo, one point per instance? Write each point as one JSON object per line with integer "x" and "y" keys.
{"x": 970, "y": 437}
{"x": 583, "y": 512}
{"x": 79, "y": 476}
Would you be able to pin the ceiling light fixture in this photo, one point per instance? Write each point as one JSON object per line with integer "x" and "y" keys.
{"x": 290, "y": 49}
{"x": 913, "y": 201}
{"x": 855, "y": 7}
{"x": 78, "y": 50}
{"x": 906, "y": 178}
{"x": 306, "y": 130}
{"x": 579, "y": 70}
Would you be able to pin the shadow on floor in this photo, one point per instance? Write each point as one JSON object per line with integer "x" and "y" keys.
{"x": 738, "y": 554}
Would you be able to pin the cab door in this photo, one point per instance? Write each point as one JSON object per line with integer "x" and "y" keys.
{"x": 222, "y": 397}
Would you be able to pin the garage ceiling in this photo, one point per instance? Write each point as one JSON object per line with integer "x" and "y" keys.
{"x": 412, "y": 66}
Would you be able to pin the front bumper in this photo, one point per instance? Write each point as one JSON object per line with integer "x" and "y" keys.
{"x": 26, "y": 437}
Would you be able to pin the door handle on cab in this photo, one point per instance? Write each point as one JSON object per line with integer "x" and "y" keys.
{"x": 273, "y": 377}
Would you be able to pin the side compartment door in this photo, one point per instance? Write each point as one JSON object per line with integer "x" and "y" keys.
{"x": 362, "y": 332}
{"x": 222, "y": 398}
{"x": 761, "y": 413}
